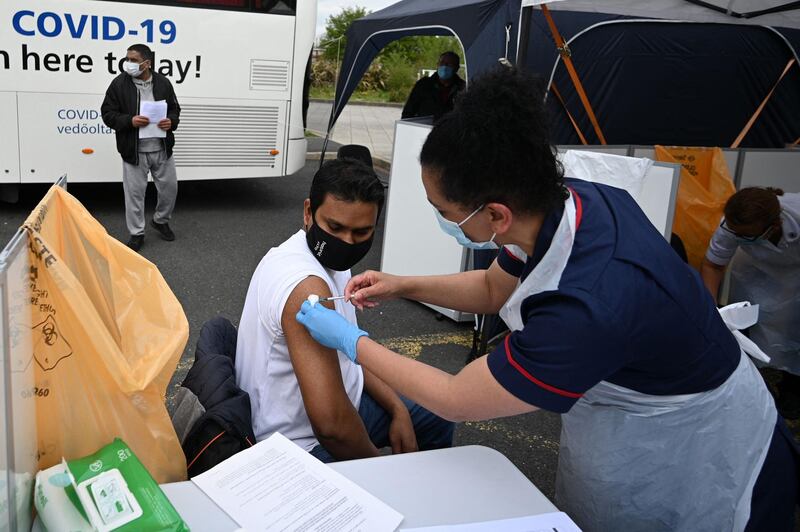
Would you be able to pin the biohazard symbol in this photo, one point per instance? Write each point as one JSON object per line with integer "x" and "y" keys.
{"x": 50, "y": 347}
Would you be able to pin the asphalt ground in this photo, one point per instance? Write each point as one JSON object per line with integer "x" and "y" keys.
{"x": 224, "y": 228}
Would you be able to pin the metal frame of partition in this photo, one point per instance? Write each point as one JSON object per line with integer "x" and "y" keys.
{"x": 738, "y": 175}
{"x": 15, "y": 246}
{"x": 736, "y": 172}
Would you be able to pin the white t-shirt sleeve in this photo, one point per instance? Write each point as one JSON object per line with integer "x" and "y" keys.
{"x": 272, "y": 302}
{"x": 721, "y": 248}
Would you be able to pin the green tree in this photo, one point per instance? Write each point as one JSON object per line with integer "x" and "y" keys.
{"x": 393, "y": 72}
{"x": 404, "y": 59}
{"x": 335, "y": 29}
{"x": 422, "y": 51}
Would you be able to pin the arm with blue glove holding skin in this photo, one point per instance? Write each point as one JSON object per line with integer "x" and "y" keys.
{"x": 472, "y": 394}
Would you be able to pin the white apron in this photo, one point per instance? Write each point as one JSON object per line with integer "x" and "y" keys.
{"x": 770, "y": 276}
{"x": 632, "y": 461}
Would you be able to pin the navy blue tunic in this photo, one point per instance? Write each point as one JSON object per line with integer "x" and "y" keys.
{"x": 628, "y": 311}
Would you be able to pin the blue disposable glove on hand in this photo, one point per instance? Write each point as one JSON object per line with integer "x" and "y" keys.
{"x": 330, "y": 328}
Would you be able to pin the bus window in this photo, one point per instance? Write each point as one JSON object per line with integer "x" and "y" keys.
{"x": 273, "y": 7}
{"x": 276, "y": 7}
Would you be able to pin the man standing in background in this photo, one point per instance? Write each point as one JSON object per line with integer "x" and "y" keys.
{"x": 121, "y": 112}
{"x": 434, "y": 95}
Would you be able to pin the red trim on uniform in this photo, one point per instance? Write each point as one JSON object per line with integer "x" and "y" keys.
{"x": 536, "y": 381}
{"x": 513, "y": 256}
{"x": 578, "y": 208}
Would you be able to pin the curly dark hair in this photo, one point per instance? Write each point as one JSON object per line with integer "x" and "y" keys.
{"x": 494, "y": 146}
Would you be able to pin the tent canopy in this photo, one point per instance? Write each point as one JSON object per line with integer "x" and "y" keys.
{"x": 480, "y": 26}
{"x": 672, "y": 72}
{"x": 754, "y": 12}
{"x": 684, "y": 72}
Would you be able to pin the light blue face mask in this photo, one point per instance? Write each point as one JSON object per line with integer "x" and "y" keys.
{"x": 445, "y": 72}
{"x": 454, "y": 229}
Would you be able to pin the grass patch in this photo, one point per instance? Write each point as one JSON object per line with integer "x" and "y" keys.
{"x": 327, "y": 93}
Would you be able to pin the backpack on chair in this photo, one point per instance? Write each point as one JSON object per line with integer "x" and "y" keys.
{"x": 212, "y": 417}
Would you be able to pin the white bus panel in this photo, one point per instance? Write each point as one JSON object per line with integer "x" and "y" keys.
{"x": 238, "y": 74}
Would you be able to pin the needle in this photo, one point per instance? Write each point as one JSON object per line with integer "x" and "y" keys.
{"x": 334, "y": 298}
{"x": 314, "y": 299}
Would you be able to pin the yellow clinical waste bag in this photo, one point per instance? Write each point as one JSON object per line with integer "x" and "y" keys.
{"x": 107, "y": 334}
{"x": 705, "y": 186}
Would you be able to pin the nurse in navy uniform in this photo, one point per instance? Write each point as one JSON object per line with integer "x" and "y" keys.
{"x": 667, "y": 424}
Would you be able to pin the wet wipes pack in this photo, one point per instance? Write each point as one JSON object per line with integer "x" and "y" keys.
{"x": 107, "y": 501}
{"x": 108, "y": 490}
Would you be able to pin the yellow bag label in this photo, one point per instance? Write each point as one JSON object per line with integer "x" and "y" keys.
{"x": 107, "y": 335}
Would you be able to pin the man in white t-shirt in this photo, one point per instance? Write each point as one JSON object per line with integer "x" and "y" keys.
{"x": 313, "y": 395}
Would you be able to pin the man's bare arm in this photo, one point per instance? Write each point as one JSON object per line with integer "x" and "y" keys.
{"x": 335, "y": 421}
{"x": 712, "y": 275}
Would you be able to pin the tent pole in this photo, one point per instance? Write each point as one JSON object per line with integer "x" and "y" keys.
{"x": 760, "y": 108}
{"x": 563, "y": 49}
{"x": 569, "y": 115}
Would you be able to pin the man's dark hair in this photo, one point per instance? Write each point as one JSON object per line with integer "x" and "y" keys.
{"x": 347, "y": 180}
{"x": 143, "y": 50}
{"x": 494, "y": 146}
{"x": 452, "y": 55}
{"x": 753, "y": 205}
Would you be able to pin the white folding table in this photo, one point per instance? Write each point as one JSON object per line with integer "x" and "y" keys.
{"x": 446, "y": 486}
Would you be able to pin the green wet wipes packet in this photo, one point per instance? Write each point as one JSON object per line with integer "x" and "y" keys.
{"x": 114, "y": 491}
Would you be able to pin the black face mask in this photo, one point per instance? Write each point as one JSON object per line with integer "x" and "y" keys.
{"x": 334, "y": 253}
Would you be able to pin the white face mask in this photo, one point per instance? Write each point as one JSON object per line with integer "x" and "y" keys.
{"x": 132, "y": 69}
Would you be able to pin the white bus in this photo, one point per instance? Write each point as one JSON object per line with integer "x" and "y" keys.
{"x": 239, "y": 69}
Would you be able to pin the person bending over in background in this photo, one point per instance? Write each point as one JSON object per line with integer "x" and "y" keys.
{"x": 763, "y": 224}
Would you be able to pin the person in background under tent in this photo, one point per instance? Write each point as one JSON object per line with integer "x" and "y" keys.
{"x": 434, "y": 95}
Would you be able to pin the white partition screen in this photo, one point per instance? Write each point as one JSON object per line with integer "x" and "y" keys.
{"x": 655, "y": 190}
{"x": 771, "y": 168}
{"x": 19, "y": 442}
{"x": 413, "y": 243}
{"x": 5, "y": 469}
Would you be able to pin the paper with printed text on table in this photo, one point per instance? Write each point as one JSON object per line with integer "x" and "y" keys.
{"x": 276, "y": 485}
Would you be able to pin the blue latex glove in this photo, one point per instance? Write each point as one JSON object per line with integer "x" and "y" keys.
{"x": 330, "y": 328}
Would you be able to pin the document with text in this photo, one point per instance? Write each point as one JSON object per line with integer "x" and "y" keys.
{"x": 276, "y": 485}
{"x": 155, "y": 112}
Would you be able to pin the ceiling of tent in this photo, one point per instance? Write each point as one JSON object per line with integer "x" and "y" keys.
{"x": 694, "y": 81}
{"x": 761, "y": 12}
{"x": 479, "y": 24}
